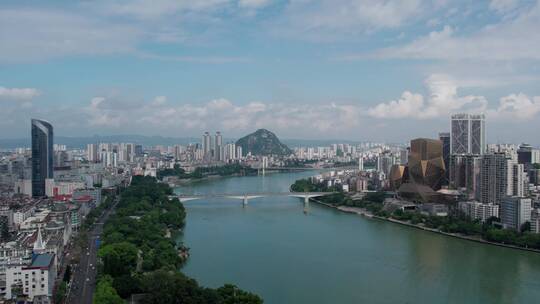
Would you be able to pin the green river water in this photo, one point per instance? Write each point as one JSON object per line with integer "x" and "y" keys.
{"x": 272, "y": 248}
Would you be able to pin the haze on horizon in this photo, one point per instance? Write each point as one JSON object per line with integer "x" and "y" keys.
{"x": 316, "y": 69}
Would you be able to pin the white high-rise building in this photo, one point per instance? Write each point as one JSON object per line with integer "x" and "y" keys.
{"x": 493, "y": 178}
{"x": 311, "y": 152}
{"x": 91, "y": 152}
{"x": 230, "y": 151}
{"x": 468, "y": 134}
{"x": 515, "y": 211}
{"x": 478, "y": 211}
{"x": 361, "y": 163}
{"x": 239, "y": 153}
{"x": 109, "y": 159}
{"x": 517, "y": 179}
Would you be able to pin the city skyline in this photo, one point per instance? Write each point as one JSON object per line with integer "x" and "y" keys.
{"x": 231, "y": 151}
{"x": 298, "y": 68}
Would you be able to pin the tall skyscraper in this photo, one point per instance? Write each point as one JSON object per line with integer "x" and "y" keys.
{"x": 517, "y": 179}
{"x": 239, "y": 153}
{"x": 445, "y": 139}
{"x": 206, "y": 142}
{"x": 464, "y": 172}
{"x": 218, "y": 147}
{"x": 385, "y": 161}
{"x": 493, "y": 178}
{"x": 130, "y": 152}
{"x": 91, "y": 152}
{"x": 468, "y": 134}
{"x": 42, "y": 155}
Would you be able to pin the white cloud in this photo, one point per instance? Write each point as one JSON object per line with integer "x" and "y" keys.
{"x": 253, "y": 4}
{"x": 18, "y": 94}
{"x": 443, "y": 99}
{"x": 332, "y": 19}
{"x": 503, "y": 6}
{"x": 143, "y": 9}
{"x": 409, "y": 105}
{"x": 96, "y": 28}
{"x": 517, "y": 106}
{"x": 221, "y": 114}
{"x": 516, "y": 38}
{"x": 27, "y": 34}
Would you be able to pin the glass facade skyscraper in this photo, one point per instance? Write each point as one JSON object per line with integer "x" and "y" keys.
{"x": 468, "y": 134}
{"x": 42, "y": 155}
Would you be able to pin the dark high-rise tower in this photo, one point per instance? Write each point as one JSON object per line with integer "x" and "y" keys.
{"x": 42, "y": 155}
{"x": 445, "y": 139}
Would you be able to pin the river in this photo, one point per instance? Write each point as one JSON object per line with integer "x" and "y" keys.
{"x": 272, "y": 248}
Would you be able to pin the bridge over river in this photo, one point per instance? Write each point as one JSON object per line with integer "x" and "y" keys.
{"x": 245, "y": 197}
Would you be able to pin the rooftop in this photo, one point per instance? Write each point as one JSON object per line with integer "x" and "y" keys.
{"x": 42, "y": 260}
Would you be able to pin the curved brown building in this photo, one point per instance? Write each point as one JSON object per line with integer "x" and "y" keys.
{"x": 426, "y": 163}
{"x": 398, "y": 176}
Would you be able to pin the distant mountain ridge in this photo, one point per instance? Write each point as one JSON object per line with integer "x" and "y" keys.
{"x": 263, "y": 142}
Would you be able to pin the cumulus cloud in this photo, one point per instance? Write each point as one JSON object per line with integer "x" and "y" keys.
{"x": 443, "y": 99}
{"x": 18, "y": 94}
{"x": 517, "y": 106}
{"x": 222, "y": 114}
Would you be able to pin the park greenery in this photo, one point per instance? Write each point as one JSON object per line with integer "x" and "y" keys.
{"x": 298, "y": 163}
{"x": 307, "y": 185}
{"x": 139, "y": 255}
{"x": 95, "y": 213}
{"x": 201, "y": 172}
{"x": 456, "y": 222}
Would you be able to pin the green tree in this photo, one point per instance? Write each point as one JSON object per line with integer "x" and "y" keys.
{"x": 126, "y": 285}
{"x": 67, "y": 274}
{"x": 60, "y": 293}
{"x": 525, "y": 227}
{"x": 118, "y": 258}
{"x": 172, "y": 287}
{"x": 105, "y": 292}
{"x": 231, "y": 294}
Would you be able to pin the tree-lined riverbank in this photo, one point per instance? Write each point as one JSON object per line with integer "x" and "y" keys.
{"x": 139, "y": 256}
{"x": 273, "y": 248}
{"x": 455, "y": 224}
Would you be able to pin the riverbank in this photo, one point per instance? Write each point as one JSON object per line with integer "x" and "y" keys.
{"x": 138, "y": 250}
{"x": 187, "y": 181}
{"x": 366, "y": 213}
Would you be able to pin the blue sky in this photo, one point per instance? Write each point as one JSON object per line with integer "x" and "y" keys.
{"x": 363, "y": 70}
